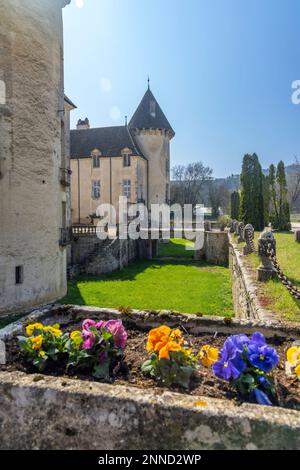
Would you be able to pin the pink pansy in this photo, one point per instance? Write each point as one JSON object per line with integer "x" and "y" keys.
{"x": 100, "y": 324}
{"x": 116, "y": 328}
{"x": 87, "y": 323}
{"x": 89, "y": 342}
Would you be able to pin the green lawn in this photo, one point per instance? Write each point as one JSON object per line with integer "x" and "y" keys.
{"x": 190, "y": 287}
{"x": 176, "y": 248}
{"x": 276, "y": 296}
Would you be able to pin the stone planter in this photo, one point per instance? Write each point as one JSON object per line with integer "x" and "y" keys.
{"x": 44, "y": 412}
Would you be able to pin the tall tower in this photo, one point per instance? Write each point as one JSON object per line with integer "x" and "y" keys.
{"x": 153, "y": 134}
{"x": 33, "y": 164}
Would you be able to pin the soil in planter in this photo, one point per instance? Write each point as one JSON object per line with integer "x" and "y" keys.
{"x": 128, "y": 371}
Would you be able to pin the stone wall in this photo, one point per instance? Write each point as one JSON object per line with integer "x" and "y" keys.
{"x": 244, "y": 288}
{"x": 90, "y": 255}
{"x": 44, "y": 412}
{"x": 215, "y": 249}
{"x": 31, "y": 195}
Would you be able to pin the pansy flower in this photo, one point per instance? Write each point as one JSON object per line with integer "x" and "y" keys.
{"x": 230, "y": 364}
{"x": 262, "y": 356}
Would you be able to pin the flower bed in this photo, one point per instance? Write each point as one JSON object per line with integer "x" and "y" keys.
{"x": 55, "y": 409}
{"x": 214, "y": 364}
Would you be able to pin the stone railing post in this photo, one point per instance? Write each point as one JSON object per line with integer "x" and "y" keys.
{"x": 231, "y": 226}
{"x": 266, "y": 270}
{"x": 241, "y": 227}
{"x": 236, "y": 227}
{"x": 297, "y": 236}
{"x": 249, "y": 239}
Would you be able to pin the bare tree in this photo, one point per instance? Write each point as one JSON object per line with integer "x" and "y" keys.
{"x": 218, "y": 196}
{"x": 188, "y": 181}
{"x": 294, "y": 184}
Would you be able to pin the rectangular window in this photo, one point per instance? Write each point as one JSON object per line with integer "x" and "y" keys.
{"x": 126, "y": 160}
{"x": 96, "y": 161}
{"x": 19, "y": 274}
{"x": 96, "y": 189}
{"x": 127, "y": 188}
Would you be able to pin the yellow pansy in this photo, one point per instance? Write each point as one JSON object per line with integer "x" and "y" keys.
{"x": 208, "y": 355}
{"x": 297, "y": 371}
{"x": 293, "y": 355}
{"x": 53, "y": 329}
{"x": 75, "y": 335}
{"x": 31, "y": 328}
{"x": 37, "y": 342}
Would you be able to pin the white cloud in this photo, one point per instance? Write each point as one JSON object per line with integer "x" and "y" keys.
{"x": 115, "y": 113}
{"x": 79, "y": 3}
{"x": 106, "y": 85}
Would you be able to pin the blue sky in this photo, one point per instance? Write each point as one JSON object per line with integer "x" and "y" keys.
{"x": 220, "y": 69}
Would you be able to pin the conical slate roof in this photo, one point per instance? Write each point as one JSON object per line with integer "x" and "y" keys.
{"x": 149, "y": 115}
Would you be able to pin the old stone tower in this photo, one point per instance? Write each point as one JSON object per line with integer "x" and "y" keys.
{"x": 33, "y": 155}
{"x": 153, "y": 133}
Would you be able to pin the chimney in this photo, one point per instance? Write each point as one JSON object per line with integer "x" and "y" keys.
{"x": 83, "y": 124}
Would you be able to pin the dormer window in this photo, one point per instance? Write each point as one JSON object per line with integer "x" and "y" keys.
{"x": 95, "y": 154}
{"x": 126, "y": 154}
{"x": 152, "y": 108}
{"x": 126, "y": 159}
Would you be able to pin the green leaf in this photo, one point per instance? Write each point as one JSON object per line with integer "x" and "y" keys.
{"x": 101, "y": 371}
{"x": 147, "y": 367}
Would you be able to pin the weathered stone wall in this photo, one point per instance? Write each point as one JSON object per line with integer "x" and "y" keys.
{"x": 244, "y": 289}
{"x": 44, "y": 412}
{"x": 31, "y": 196}
{"x": 90, "y": 255}
{"x": 215, "y": 249}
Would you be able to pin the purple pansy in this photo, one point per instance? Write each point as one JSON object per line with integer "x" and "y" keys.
{"x": 262, "y": 356}
{"x": 259, "y": 397}
{"x": 258, "y": 338}
{"x": 231, "y": 363}
{"x": 115, "y": 327}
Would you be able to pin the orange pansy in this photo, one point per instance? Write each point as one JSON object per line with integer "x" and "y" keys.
{"x": 165, "y": 350}
{"x": 208, "y": 355}
{"x": 158, "y": 338}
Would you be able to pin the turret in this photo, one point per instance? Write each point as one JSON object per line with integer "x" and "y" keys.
{"x": 153, "y": 133}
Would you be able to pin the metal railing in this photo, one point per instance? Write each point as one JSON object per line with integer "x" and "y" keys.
{"x": 65, "y": 236}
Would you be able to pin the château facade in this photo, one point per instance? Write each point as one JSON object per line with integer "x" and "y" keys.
{"x": 34, "y": 155}
{"x": 131, "y": 160}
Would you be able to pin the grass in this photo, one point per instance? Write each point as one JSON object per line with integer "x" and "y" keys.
{"x": 276, "y": 297}
{"x": 7, "y": 320}
{"x": 190, "y": 287}
{"x": 176, "y": 248}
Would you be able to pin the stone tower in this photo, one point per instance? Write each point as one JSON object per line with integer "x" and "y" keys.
{"x": 33, "y": 163}
{"x": 153, "y": 134}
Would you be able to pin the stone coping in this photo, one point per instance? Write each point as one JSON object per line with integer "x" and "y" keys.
{"x": 56, "y": 313}
{"x": 46, "y": 412}
{"x": 41, "y": 412}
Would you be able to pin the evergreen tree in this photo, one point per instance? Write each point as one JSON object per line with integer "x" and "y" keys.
{"x": 274, "y": 215}
{"x": 252, "y": 210}
{"x": 284, "y": 219}
{"x": 267, "y": 196}
{"x": 235, "y": 205}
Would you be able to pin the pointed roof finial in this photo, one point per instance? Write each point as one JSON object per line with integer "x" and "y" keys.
{"x": 126, "y": 121}
{"x": 148, "y": 82}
